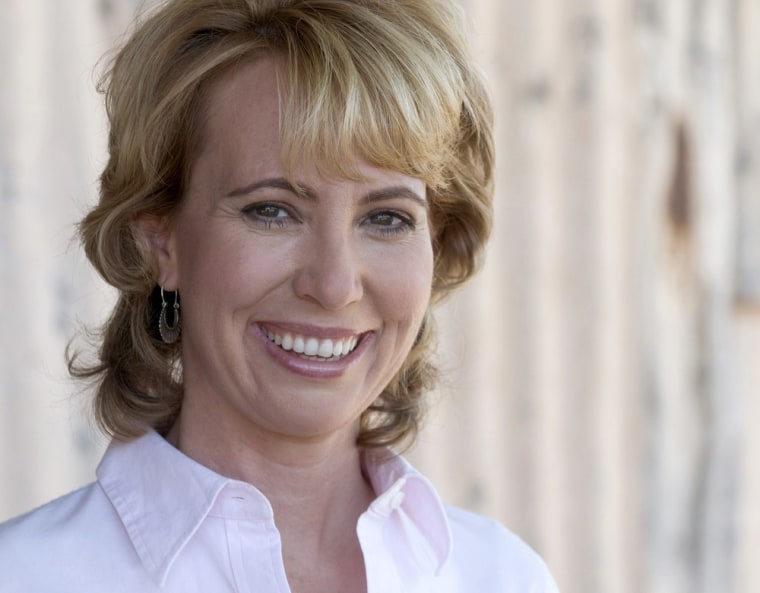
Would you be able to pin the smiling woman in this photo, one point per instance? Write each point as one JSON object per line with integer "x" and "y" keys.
{"x": 307, "y": 177}
{"x": 323, "y": 258}
{"x": 390, "y": 84}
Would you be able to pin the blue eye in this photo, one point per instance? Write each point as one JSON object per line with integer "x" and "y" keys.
{"x": 267, "y": 214}
{"x": 389, "y": 222}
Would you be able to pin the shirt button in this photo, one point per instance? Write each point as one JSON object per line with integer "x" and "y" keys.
{"x": 396, "y": 500}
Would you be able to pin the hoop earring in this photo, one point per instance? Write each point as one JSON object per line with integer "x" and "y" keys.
{"x": 169, "y": 333}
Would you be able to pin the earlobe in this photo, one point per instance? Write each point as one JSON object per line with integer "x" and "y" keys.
{"x": 159, "y": 239}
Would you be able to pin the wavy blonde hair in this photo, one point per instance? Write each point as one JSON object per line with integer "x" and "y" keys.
{"x": 390, "y": 78}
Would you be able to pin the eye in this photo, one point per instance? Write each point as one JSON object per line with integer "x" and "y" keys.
{"x": 268, "y": 214}
{"x": 390, "y": 222}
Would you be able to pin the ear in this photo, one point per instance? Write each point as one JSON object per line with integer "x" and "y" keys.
{"x": 159, "y": 236}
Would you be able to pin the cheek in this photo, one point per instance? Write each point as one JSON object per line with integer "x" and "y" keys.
{"x": 404, "y": 283}
{"x": 223, "y": 264}
{"x": 220, "y": 291}
{"x": 203, "y": 260}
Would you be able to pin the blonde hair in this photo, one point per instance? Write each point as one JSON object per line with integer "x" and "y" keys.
{"x": 389, "y": 78}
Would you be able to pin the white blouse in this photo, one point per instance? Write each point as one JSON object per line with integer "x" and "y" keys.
{"x": 156, "y": 520}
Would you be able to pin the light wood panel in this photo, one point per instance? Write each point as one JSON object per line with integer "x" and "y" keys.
{"x": 601, "y": 385}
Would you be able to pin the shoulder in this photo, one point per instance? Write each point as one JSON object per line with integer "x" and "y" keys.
{"x": 37, "y": 526}
{"x": 490, "y": 558}
{"x": 56, "y": 544}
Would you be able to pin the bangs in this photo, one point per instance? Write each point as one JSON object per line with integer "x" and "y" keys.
{"x": 387, "y": 82}
{"x": 364, "y": 92}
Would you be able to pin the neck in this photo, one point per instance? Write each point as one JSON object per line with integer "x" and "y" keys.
{"x": 311, "y": 483}
{"x": 315, "y": 486}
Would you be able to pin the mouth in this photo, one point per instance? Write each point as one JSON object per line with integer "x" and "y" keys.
{"x": 312, "y": 347}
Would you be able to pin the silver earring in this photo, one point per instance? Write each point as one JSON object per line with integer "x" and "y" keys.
{"x": 169, "y": 333}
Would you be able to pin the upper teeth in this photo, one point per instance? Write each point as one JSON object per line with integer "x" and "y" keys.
{"x": 310, "y": 346}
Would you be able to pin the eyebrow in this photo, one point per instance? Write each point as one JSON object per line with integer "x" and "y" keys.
{"x": 386, "y": 193}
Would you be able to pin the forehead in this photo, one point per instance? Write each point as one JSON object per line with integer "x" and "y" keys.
{"x": 305, "y": 120}
{"x": 242, "y": 135}
{"x": 243, "y": 103}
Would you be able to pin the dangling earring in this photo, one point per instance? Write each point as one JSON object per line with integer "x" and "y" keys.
{"x": 169, "y": 333}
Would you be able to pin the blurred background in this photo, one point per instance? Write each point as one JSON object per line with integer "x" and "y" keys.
{"x": 602, "y": 374}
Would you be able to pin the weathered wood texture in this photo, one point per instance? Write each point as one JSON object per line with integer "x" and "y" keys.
{"x": 605, "y": 363}
{"x": 601, "y": 374}
{"x": 51, "y": 142}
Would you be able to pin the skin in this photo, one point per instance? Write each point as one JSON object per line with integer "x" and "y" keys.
{"x": 251, "y": 255}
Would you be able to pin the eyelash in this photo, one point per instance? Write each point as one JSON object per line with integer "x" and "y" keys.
{"x": 404, "y": 224}
{"x": 255, "y": 212}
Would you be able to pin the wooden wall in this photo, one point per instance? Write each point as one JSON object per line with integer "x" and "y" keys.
{"x": 606, "y": 385}
{"x": 603, "y": 372}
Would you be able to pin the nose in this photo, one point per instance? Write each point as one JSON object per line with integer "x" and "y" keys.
{"x": 330, "y": 273}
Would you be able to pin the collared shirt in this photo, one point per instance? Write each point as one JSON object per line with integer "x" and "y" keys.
{"x": 156, "y": 520}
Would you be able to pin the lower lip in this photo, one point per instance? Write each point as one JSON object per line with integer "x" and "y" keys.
{"x": 316, "y": 369}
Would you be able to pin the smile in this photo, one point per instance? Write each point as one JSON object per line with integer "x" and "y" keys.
{"x": 312, "y": 348}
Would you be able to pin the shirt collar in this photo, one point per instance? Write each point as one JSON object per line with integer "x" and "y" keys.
{"x": 143, "y": 479}
{"x": 405, "y": 491}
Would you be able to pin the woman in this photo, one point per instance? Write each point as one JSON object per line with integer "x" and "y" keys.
{"x": 291, "y": 185}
